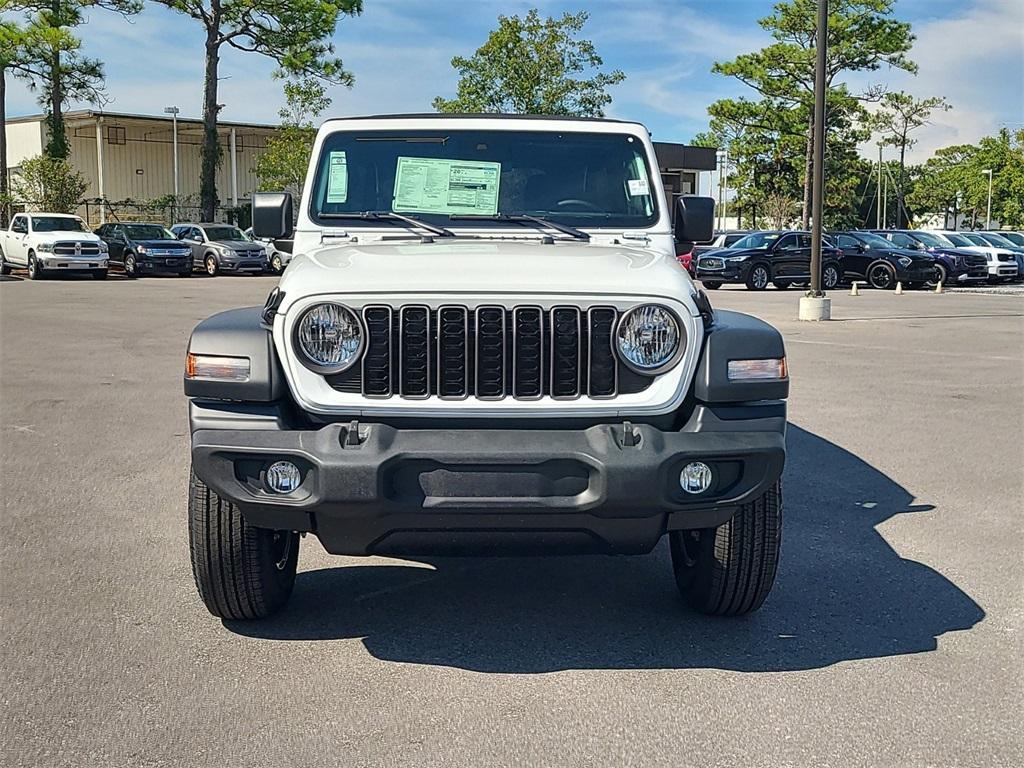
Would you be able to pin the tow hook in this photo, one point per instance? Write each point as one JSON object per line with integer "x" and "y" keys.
{"x": 351, "y": 437}
{"x": 630, "y": 435}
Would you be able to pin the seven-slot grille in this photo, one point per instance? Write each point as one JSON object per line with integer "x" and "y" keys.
{"x": 489, "y": 352}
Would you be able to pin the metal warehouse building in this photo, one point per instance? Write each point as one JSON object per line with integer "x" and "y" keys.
{"x": 129, "y": 158}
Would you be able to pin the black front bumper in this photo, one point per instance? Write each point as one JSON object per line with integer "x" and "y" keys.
{"x": 489, "y": 491}
{"x": 165, "y": 264}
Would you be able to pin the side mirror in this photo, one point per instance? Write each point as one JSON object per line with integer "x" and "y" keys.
{"x": 694, "y": 219}
{"x": 272, "y": 215}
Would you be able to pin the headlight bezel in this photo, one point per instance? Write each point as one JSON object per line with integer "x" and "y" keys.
{"x": 671, "y": 362}
{"x": 904, "y": 261}
{"x": 307, "y": 361}
{"x": 46, "y": 247}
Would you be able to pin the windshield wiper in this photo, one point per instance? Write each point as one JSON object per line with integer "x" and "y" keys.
{"x": 565, "y": 229}
{"x": 371, "y": 215}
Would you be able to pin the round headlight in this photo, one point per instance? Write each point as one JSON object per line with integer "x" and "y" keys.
{"x": 329, "y": 338}
{"x": 649, "y": 339}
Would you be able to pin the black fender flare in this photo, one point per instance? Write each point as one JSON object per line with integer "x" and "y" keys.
{"x": 736, "y": 336}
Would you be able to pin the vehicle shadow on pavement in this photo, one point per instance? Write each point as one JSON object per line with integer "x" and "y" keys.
{"x": 842, "y": 593}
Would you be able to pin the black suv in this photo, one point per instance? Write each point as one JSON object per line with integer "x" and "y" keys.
{"x": 140, "y": 248}
{"x": 780, "y": 258}
{"x": 870, "y": 257}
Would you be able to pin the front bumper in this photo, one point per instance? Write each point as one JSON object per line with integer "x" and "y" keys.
{"x": 55, "y": 263}
{"x": 244, "y": 265}
{"x": 735, "y": 272}
{"x": 972, "y": 275}
{"x": 480, "y": 491}
{"x": 161, "y": 263}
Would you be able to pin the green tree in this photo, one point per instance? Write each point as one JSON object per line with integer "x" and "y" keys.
{"x": 862, "y": 36}
{"x": 284, "y": 162}
{"x": 50, "y": 184}
{"x": 52, "y": 62}
{"x": 533, "y": 66}
{"x": 296, "y": 34}
{"x": 899, "y": 115}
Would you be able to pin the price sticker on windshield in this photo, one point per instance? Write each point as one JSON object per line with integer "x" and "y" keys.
{"x": 638, "y": 187}
{"x": 435, "y": 185}
{"x": 337, "y": 178}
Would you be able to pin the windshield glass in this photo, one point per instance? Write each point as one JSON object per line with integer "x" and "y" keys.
{"x": 1014, "y": 237}
{"x": 871, "y": 240}
{"x": 998, "y": 240}
{"x": 759, "y": 240}
{"x": 932, "y": 239}
{"x": 57, "y": 224}
{"x": 977, "y": 240}
{"x": 578, "y": 179}
{"x": 225, "y": 233}
{"x": 147, "y": 232}
{"x": 958, "y": 240}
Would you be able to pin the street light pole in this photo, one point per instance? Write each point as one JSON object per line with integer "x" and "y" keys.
{"x": 173, "y": 112}
{"x": 818, "y": 186}
{"x": 725, "y": 194}
{"x": 878, "y": 193}
{"x": 988, "y": 211}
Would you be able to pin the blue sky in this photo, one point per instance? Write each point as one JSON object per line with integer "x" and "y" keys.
{"x": 970, "y": 51}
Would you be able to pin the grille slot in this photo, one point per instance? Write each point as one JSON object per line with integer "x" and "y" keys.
{"x": 489, "y": 352}
{"x": 414, "y": 352}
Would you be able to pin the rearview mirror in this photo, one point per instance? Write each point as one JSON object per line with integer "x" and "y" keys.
{"x": 272, "y": 215}
{"x": 694, "y": 219}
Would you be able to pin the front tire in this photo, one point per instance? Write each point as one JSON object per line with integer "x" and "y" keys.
{"x": 758, "y": 278}
{"x": 711, "y": 286}
{"x": 241, "y": 572}
{"x": 729, "y": 570}
{"x": 881, "y": 277}
{"x": 5, "y": 268}
{"x": 131, "y": 267}
{"x": 35, "y": 272}
{"x": 830, "y": 277}
{"x": 940, "y": 276}
{"x": 212, "y": 267}
{"x": 275, "y": 264}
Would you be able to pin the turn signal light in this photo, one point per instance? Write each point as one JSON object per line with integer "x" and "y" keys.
{"x": 220, "y": 368}
{"x": 749, "y": 370}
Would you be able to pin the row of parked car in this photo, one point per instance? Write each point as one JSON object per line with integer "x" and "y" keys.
{"x": 46, "y": 243}
{"x": 880, "y": 258}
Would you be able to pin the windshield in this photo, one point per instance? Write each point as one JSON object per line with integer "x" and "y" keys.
{"x": 225, "y": 233}
{"x": 578, "y": 179}
{"x": 958, "y": 240}
{"x": 997, "y": 240}
{"x": 57, "y": 224}
{"x": 932, "y": 240}
{"x": 759, "y": 240}
{"x": 977, "y": 240}
{"x": 1014, "y": 237}
{"x": 147, "y": 232}
{"x": 871, "y": 240}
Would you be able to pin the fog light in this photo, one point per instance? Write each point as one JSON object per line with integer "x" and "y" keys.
{"x": 696, "y": 477}
{"x": 283, "y": 477}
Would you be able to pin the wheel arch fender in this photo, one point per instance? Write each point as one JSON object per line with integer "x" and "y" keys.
{"x": 238, "y": 333}
{"x": 737, "y": 336}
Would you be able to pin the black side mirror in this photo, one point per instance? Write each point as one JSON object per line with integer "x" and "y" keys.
{"x": 694, "y": 219}
{"x": 272, "y": 215}
{"x": 861, "y": 248}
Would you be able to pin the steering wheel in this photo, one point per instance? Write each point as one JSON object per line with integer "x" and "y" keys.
{"x": 581, "y": 203}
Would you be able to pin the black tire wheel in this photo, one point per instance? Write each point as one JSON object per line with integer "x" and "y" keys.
{"x": 275, "y": 264}
{"x": 35, "y": 272}
{"x": 940, "y": 276}
{"x": 5, "y": 268}
{"x": 99, "y": 274}
{"x": 830, "y": 277}
{"x": 782, "y": 285}
{"x": 729, "y": 570}
{"x": 212, "y": 267}
{"x": 131, "y": 268}
{"x": 241, "y": 572}
{"x": 881, "y": 277}
{"x": 711, "y": 286}
{"x": 758, "y": 278}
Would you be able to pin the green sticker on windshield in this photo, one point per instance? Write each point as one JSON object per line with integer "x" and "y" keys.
{"x": 337, "y": 178}
{"x": 432, "y": 185}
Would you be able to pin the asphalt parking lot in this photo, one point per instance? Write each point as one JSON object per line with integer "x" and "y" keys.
{"x": 894, "y": 636}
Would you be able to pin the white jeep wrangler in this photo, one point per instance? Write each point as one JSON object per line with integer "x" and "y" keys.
{"x": 484, "y": 345}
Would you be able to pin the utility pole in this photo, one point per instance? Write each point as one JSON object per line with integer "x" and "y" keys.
{"x": 725, "y": 183}
{"x": 815, "y": 306}
{"x": 885, "y": 199}
{"x": 173, "y": 112}
{"x": 878, "y": 192}
{"x": 719, "y": 157}
{"x": 988, "y": 211}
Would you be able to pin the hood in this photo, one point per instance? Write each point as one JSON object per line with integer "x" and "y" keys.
{"x": 69, "y": 236}
{"x": 240, "y": 245}
{"x": 479, "y": 267}
{"x": 915, "y": 255}
{"x": 171, "y": 244}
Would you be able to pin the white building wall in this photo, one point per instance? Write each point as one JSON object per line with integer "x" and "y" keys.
{"x": 24, "y": 140}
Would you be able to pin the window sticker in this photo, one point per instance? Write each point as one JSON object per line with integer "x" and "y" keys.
{"x": 638, "y": 187}
{"x": 337, "y": 178}
{"x": 434, "y": 185}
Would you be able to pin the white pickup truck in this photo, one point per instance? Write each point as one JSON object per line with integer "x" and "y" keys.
{"x": 44, "y": 243}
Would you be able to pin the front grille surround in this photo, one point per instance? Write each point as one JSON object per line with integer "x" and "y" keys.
{"x": 587, "y": 325}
